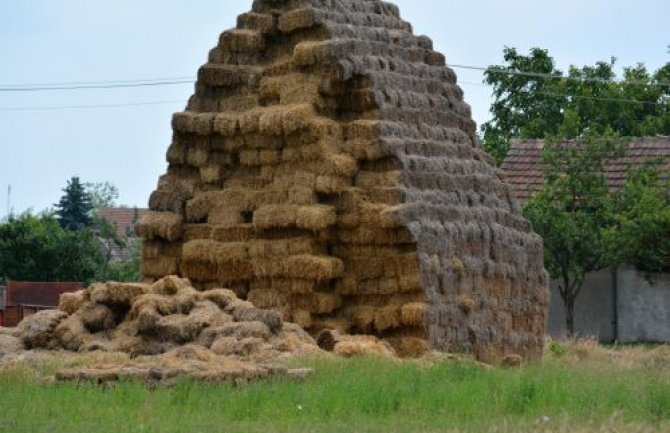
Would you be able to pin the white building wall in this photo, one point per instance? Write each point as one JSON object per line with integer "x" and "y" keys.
{"x": 642, "y": 313}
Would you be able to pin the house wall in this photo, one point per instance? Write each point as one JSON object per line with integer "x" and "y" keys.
{"x": 594, "y": 312}
{"x": 25, "y": 298}
{"x": 3, "y": 290}
{"x": 643, "y": 307}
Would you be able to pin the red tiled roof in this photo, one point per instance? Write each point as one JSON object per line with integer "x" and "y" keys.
{"x": 123, "y": 219}
{"x": 523, "y": 167}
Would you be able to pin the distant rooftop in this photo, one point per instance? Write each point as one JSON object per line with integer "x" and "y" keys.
{"x": 523, "y": 168}
{"x": 124, "y": 219}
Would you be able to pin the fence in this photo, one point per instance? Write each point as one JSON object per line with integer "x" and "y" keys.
{"x": 25, "y": 298}
{"x": 3, "y": 290}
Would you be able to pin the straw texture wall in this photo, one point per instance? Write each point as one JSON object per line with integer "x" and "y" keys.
{"x": 327, "y": 167}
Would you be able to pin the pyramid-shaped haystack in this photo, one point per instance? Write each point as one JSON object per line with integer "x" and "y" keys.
{"x": 327, "y": 167}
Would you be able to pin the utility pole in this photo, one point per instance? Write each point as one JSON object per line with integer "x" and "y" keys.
{"x": 9, "y": 200}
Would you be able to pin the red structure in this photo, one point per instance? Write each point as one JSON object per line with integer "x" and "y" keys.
{"x": 25, "y": 298}
{"x": 3, "y": 289}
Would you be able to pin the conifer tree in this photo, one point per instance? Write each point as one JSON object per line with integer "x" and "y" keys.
{"x": 74, "y": 208}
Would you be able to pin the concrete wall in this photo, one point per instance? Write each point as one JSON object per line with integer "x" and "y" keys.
{"x": 644, "y": 307}
{"x": 642, "y": 312}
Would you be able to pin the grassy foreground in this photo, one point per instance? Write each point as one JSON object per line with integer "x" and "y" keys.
{"x": 567, "y": 392}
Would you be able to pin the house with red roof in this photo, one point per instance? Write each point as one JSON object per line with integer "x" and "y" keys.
{"x": 523, "y": 167}
{"x": 616, "y": 304}
{"x": 123, "y": 219}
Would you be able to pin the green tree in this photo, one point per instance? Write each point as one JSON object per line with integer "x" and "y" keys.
{"x": 524, "y": 106}
{"x": 129, "y": 270}
{"x": 74, "y": 208}
{"x": 534, "y": 99}
{"x": 640, "y": 235}
{"x": 105, "y": 195}
{"x": 102, "y": 194}
{"x": 109, "y": 241}
{"x": 585, "y": 226}
{"x": 572, "y": 213}
{"x": 37, "y": 248}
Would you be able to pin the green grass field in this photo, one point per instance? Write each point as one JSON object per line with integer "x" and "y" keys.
{"x": 562, "y": 393}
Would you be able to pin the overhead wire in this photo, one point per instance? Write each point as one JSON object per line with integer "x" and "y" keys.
{"x": 116, "y": 84}
{"x": 502, "y": 70}
{"x": 566, "y": 96}
{"x": 104, "y": 84}
{"x": 93, "y": 85}
{"x": 86, "y": 107}
{"x": 75, "y": 83}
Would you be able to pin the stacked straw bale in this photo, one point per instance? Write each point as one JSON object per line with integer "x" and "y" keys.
{"x": 327, "y": 167}
{"x": 152, "y": 319}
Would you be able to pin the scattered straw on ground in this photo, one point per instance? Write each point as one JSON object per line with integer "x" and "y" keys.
{"x": 157, "y": 332}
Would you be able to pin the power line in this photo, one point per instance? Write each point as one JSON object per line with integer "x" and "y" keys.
{"x": 93, "y": 85}
{"x": 502, "y": 70}
{"x": 593, "y": 98}
{"x": 85, "y": 107}
{"x": 111, "y": 84}
{"x": 597, "y": 98}
{"x": 76, "y": 83}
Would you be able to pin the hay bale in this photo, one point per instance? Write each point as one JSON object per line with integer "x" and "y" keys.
{"x": 467, "y": 303}
{"x": 413, "y": 314}
{"x": 339, "y": 324}
{"x": 235, "y": 330}
{"x": 267, "y": 298}
{"x": 294, "y": 340}
{"x": 190, "y": 352}
{"x": 387, "y": 318}
{"x": 147, "y": 321}
{"x": 313, "y": 267}
{"x": 327, "y": 339}
{"x": 262, "y": 249}
{"x": 184, "y": 328}
{"x": 70, "y": 302}
{"x": 512, "y": 360}
{"x": 157, "y": 268}
{"x": 274, "y": 217}
{"x": 37, "y": 331}
{"x": 294, "y": 20}
{"x": 246, "y": 312}
{"x": 97, "y": 317}
{"x": 363, "y": 345}
{"x": 9, "y": 345}
{"x": 163, "y": 225}
{"x": 72, "y": 333}
{"x": 315, "y": 218}
{"x": 303, "y": 318}
{"x": 221, "y": 297}
{"x": 161, "y": 305}
{"x": 317, "y": 303}
{"x": 169, "y": 285}
{"x": 12, "y": 332}
{"x": 177, "y": 328}
{"x": 409, "y": 347}
{"x": 362, "y": 317}
{"x": 239, "y": 233}
{"x": 232, "y": 346}
{"x": 242, "y": 40}
{"x": 113, "y": 293}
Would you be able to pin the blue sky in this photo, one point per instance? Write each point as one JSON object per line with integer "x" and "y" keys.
{"x": 48, "y": 41}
